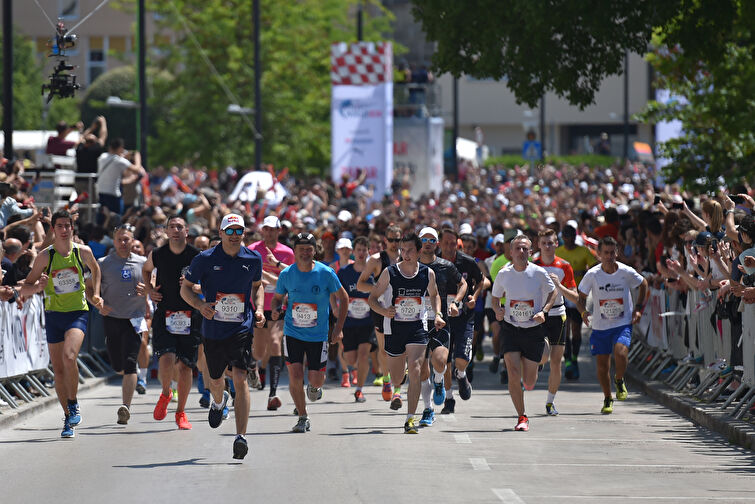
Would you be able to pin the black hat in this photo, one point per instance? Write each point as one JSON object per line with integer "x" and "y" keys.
{"x": 305, "y": 239}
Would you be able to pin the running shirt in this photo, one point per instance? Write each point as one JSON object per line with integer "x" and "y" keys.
{"x": 580, "y": 258}
{"x": 228, "y": 282}
{"x": 406, "y": 295}
{"x": 119, "y": 280}
{"x": 565, "y": 275}
{"x": 65, "y": 290}
{"x": 470, "y": 271}
{"x": 611, "y": 294}
{"x": 359, "y": 308}
{"x": 526, "y": 292}
{"x": 499, "y": 263}
{"x": 447, "y": 278}
{"x": 170, "y": 268}
{"x": 308, "y": 300}
{"x": 282, "y": 253}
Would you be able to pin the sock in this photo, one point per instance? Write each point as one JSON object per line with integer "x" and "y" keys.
{"x": 387, "y": 379}
{"x": 274, "y": 366}
{"x": 397, "y": 389}
{"x": 216, "y": 406}
{"x": 438, "y": 377}
{"x": 142, "y": 374}
{"x": 173, "y": 385}
{"x": 461, "y": 374}
{"x": 240, "y": 436}
{"x": 359, "y": 389}
{"x": 427, "y": 392}
{"x": 408, "y": 416}
{"x": 551, "y": 397}
{"x": 449, "y": 394}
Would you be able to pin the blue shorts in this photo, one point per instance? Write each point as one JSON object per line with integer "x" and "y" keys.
{"x": 58, "y": 323}
{"x": 602, "y": 342}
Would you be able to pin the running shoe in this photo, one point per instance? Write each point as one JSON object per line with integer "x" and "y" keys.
{"x": 345, "y": 381}
{"x": 396, "y": 402}
{"x": 621, "y": 390}
{"x": 314, "y": 393}
{"x": 410, "y": 427}
{"x": 439, "y": 393}
{"x": 387, "y": 391}
{"x": 141, "y": 387}
{"x": 607, "y": 408}
{"x": 174, "y": 396}
{"x": 470, "y": 371}
{"x": 161, "y": 409}
{"x": 123, "y": 415}
{"x": 523, "y": 424}
{"x": 226, "y": 413}
{"x": 428, "y": 417}
{"x": 74, "y": 414}
{"x": 494, "y": 364}
{"x": 261, "y": 385}
{"x": 240, "y": 448}
{"x": 302, "y": 425}
{"x": 480, "y": 355}
{"x": 575, "y": 373}
{"x": 550, "y": 409}
{"x": 253, "y": 377}
{"x": 273, "y": 403}
{"x": 182, "y": 421}
{"x": 448, "y": 407}
{"x": 569, "y": 369}
{"x": 67, "y": 431}
{"x": 204, "y": 401}
{"x": 359, "y": 396}
{"x": 354, "y": 380}
{"x": 378, "y": 381}
{"x": 406, "y": 375}
{"x": 465, "y": 388}
{"x": 215, "y": 415}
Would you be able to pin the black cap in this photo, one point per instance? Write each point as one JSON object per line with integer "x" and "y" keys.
{"x": 703, "y": 238}
{"x": 305, "y": 239}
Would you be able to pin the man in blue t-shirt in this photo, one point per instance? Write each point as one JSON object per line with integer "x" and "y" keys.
{"x": 228, "y": 274}
{"x": 308, "y": 285}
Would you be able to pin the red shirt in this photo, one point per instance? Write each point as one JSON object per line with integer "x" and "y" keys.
{"x": 608, "y": 229}
{"x": 58, "y": 146}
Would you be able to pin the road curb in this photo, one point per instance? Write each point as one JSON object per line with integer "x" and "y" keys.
{"x": 704, "y": 414}
{"x": 9, "y": 417}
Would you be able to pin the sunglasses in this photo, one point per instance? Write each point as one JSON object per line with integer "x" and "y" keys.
{"x": 231, "y": 231}
{"x": 430, "y": 240}
{"x": 393, "y": 240}
{"x": 126, "y": 227}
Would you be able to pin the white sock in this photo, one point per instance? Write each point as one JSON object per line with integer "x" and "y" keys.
{"x": 173, "y": 385}
{"x": 359, "y": 389}
{"x": 216, "y": 406}
{"x": 449, "y": 394}
{"x": 408, "y": 416}
{"x": 142, "y": 374}
{"x": 550, "y": 398}
{"x": 438, "y": 378}
{"x": 427, "y": 392}
{"x": 461, "y": 374}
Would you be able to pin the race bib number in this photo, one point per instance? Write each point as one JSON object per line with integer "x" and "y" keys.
{"x": 270, "y": 288}
{"x": 611, "y": 309}
{"x": 408, "y": 309}
{"x": 66, "y": 281}
{"x": 178, "y": 322}
{"x": 521, "y": 311}
{"x": 304, "y": 314}
{"x": 358, "y": 308}
{"x": 229, "y": 307}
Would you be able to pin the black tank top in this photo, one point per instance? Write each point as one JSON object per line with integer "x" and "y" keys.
{"x": 385, "y": 261}
{"x": 408, "y": 292}
{"x": 447, "y": 279}
{"x": 170, "y": 267}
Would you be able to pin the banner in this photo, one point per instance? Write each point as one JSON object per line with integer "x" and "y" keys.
{"x": 362, "y": 113}
{"x": 418, "y": 154}
{"x": 23, "y": 346}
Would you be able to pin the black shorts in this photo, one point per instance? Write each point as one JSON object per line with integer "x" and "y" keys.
{"x": 437, "y": 338}
{"x": 555, "y": 327}
{"x": 123, "y": 344}
{"x": 462, "y": 337}
{"x": 530, "y": 341}
{"x": 413, "y": 334}
{"x": 183, "y": 345}
{"x": 316, "y": 352}
{"x": 355, "y": 336}
{"x": 479, "y": 321}
{"x": 490, "y": 315}
{"x": 573, "y": 314}
{"x": 234, "y": 352}
{"x": 377, "y": 319}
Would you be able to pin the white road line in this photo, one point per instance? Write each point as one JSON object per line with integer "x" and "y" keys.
{"x": 649, "y": 466}
{"x": 639, "y": 497}
{"x": 507, "y": 496}
{"x": 462, "y": 438}
{"x": 448, "y": 418}
{"x": 579, "y": 440}
{"x": 479, "y": 464}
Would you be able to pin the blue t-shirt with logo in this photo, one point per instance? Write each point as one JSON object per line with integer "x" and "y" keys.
{"x": 308, "y": 306}
{"x": 228, "y": 281}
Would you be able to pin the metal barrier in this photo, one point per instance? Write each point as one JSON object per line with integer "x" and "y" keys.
{"x": 54, "y": 188}
{"x": 688, "y": 341}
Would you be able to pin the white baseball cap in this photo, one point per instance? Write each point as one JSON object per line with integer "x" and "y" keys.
{"x": 231, "y": 220}
{"x": 428, "y": 230}
{"x": 465, "y": 229}
{"x": 344, "y": 215}
{"x": 572, "y": 223}
{"x": 549, "y": 220}
{"x": 344, "y": 243}
{"x": 499, "y": 239}
{"x": 271, "y": 221}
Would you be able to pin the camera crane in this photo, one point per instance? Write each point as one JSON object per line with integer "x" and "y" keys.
{"x": 62, "y": 83}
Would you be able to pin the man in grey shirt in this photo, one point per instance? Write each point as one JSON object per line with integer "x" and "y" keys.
{"x": 122, "y": 290}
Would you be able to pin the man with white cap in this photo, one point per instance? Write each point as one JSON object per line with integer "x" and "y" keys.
{"x": 267, "y": 340}
{"x": 231, "y": 280}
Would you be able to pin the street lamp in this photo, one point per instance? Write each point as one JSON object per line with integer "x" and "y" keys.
{"x": 117, "y": 102}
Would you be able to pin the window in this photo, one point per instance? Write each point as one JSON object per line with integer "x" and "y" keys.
{"x": 68, "y": 9}
{"x": 117, "y": 44}
{"x": 43, "y": 45}
{"x": 96, "y": 58}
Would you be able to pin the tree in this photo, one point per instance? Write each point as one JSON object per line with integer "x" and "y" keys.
{"x": 27, "y": 84}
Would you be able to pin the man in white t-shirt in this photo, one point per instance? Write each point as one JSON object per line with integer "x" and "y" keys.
{"x": 111, "y": 168}
{"x": 530, "y": 294}
{"x": 613, "y": 315}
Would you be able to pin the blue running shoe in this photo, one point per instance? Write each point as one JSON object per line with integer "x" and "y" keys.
{"x": 67, "y": 431}
{"x": 74, "y": 414}
{"x": 200, "y": 383}
{"x": 226, "y": 413}
{"x": 204, "y": 401}
{"x": 428, "y": 417}
{"x": 141, "y": 387}
{"x": 439, "y": 393}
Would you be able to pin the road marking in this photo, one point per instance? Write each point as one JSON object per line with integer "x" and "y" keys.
{"x": 636, "y": 497}
{"x": 479, "y": 464}
{"x": 448, "y": 418}
{"x": 527, "y": 439}
{"x": 507, "y": 496}
{"x": 462, "y": 438}
{"x": 571, "y": 464}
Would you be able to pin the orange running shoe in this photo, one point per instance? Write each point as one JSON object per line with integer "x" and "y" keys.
{"x": 387, "y": 391}
{"x": 359, "y": 396}
{"x": 161, "y": 409}
{"x": 353, "y": 376}
{"x": 182, "y": 421}
{"x": 345, "y": 383}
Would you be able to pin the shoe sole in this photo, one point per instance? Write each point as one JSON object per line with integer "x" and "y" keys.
{"x": 396, "y": 405}
{"x": 300, "y": 431}
{"x": 414, "y": 431}
{"x": 273, "y": 404}
{"x": 240, "y": 450}
{"x": 360, "y": 399}
{"x": 521, "y": 429}
{"x": 123, "y": 415}
{"x": 73, "y": 435}
{"x": 75, "y": 424}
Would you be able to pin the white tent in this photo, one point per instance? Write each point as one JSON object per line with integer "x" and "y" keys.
{"x": 246, "y": 189}
{"x": 34, "y": 140}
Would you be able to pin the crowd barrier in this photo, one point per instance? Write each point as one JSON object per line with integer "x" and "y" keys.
{"x": 699, "y": 344}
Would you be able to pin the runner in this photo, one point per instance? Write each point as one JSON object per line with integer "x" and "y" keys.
{"x": 176, "y": 327}
{"x": 581, "y": 259}
{"x": 344, "y": 249}
{"x": 228, "y": 274}
{"x": 502, "y": 246}
{"x": 123, "y": 312}
{"x": 358, "y": 330}
{"x": 405, "y": 284}
{"x": 60, "y": 267}
{"x": 267, "y": 340}
{"x": 562, "y": 276}
{"x": 469, "y": 246}
{"x": 375, "y": 266}
{"x": 309, "y": 285}
{"x": 610, "y": 283}
{"x": 530, "y": 295}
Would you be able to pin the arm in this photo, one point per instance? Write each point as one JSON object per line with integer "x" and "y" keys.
{"x": 187, "y": 293}
{"x": 581, "y": 302}
{"x": 94, "y": 268}
{"x": 376, "y": 292}
{"x": 432, "y": 291}
{"x": 363, "y": 283}
{"x": 150, "y": 290}
{"x": 540, "y": 317}
{"x": 696, "y": 221}
{"x": 258, "y": 291}
{"x": 481, "y": 286}
{"x": 455, "y": 308}
{"x": 569, "y": 293}
{"x": 275, "y": 306}
{"x": 642, "y": 298}
{"x": 342, "y": 297}
{"x": 102, "y": 136}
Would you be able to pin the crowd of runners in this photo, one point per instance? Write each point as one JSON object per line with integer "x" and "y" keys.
{"x": 398, "y": 293}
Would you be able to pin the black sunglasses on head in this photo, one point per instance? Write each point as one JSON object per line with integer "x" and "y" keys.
{"x": 127, "y": 227}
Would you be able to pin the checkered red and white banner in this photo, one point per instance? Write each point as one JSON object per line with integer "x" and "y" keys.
{"x": 362, "y": 63}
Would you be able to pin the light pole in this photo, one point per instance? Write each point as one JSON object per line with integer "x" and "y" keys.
{"x": 142, "y": 85}
{"x": 257, "y": 90}
{"x": 8, "y": 77}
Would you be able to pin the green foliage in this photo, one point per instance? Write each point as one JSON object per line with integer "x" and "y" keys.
{"x": 27, "y": 84}
{"x": 591, "y": 160}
